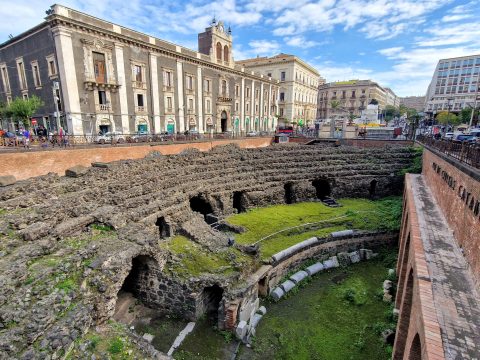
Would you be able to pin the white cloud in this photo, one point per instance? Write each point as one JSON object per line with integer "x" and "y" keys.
{"x": 263, "y": 47}
{"x": 391, "y": 51}
{"x": 300, "y": 41}
{"x": 452, "y": 18}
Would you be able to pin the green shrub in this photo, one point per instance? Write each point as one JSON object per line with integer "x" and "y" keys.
{"x": 349, "y": 295}
{"x": 115, "y": 346}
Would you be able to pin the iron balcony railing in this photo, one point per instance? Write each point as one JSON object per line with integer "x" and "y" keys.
{"x": 467, "y": 153}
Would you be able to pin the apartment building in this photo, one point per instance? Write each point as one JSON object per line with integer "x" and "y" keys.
{"x": 298, "y": 85}
{"x": 353, "y": 97}
{"x": 455, "y": 85}
{"x": 105, "y": 77}
{"x": 413, "y": 102}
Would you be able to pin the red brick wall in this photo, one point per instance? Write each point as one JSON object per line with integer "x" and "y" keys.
{"x": 414, "y": 291}
{"x": 448, "y": 183}
{"x": 24, "y": 165}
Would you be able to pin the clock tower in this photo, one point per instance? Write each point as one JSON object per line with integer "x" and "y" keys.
{"x": 216, "y": 42}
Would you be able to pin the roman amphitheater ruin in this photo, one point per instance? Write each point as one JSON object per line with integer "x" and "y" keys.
{"x": 71, "y": 246}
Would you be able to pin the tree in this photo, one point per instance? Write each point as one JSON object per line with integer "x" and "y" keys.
{"x": 23, "y": 109}
{"x": 390, "y": 112}
{"x": 444, "y": 117}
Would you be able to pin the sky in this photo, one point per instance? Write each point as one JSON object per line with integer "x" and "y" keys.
{"x": 394, "y": 42}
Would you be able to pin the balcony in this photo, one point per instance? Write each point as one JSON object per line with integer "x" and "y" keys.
{"x": 167, "y": 88}
{"x": 140, "y": 109}
{"x": 103, "y": 107}
{"x": 190, "y": 91}
{"x": 169, "y": 110}
{"x": 224, "y": 99}
{"x": 99, "y": 84}
{"x": 190, "y": 111}
{"x": 139, "y": 85}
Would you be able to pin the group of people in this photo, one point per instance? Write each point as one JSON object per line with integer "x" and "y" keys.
{"x": 24, "y": 137}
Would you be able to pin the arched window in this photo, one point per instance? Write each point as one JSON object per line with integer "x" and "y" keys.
{"x": 224, "y": 87}
{"x": 225, "y": 53}
{"x": 219, "y": 51}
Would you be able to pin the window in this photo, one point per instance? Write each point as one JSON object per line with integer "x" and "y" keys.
{"x": 281, "y": 112}
{"x": 219, "y": 51}
{"x": 353, "y": 93}
{"x": 282, "y": 96}
{"x": 52, "y": 68}
{"x": 225, "y": 53}
{"x": 236, "y": 106}
{"x": 256, "y": 108}
{"x": 99, "y": 67}
{"x": 282, "y": 76}
{"x": 102, "y": 97}
{"x": 6, "y": 82}
{"x": 59, "y": 101}
{"x": 269, "y": 74}
{"x": 224, "y": 87}
{"x": 207, "y": 105}
{"x": 237, "y": 90}
{"x": 169, "y": 103}
{"x": 138, "y": 73}
{"x": 344, "y": 94}
{"x": 206, "y": 85}
{"x": 167, "y": 78}
{"x": 190, "y": 104}
{"x": 36, "y": 74}
{"x": 247, "y": 92}
{"x": 247, "y": 107}
{"x": 21, "y": 75}
{"x": 189, "y": 82}
{"x": 25, "y": 96}
{"x": 140, "y": 100}
{"x": 257, "y": 93}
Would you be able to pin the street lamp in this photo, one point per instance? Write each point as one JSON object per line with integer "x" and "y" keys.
{"x": 449, "y": 105}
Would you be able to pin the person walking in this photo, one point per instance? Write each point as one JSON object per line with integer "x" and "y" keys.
{"x": 26, "y": 139}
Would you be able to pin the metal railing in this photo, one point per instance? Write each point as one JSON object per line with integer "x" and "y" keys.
{"x": 69, "y": 141}
{"x": 464, "y": 152}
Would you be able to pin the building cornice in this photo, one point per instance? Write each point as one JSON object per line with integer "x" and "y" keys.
{"x": 56, "y": 21}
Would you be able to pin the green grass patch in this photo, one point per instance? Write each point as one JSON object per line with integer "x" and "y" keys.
{"x": 67, "y": 285}
{"x": 360, "y": 214}
{"x": 194, "y": 260}
{"x": 416, "y": 166}
{"x": 336, "y": 317}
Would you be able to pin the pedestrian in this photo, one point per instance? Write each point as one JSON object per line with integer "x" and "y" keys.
{"x": 26, "y": 139}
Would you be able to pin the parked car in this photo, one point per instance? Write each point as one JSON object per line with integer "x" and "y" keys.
{"x": 140, "y": 137}
{"x": 252, "y": 133}
{"x": 448, "y": 136}
{"x": 466, "y": 138}
{"x": 108, "y": 137}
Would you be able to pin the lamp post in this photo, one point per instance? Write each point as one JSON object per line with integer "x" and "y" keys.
{"x": 449, "y": 105}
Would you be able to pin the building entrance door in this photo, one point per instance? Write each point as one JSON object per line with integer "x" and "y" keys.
{"x": 104, "y": 128}
{"x": 224, "y": 119}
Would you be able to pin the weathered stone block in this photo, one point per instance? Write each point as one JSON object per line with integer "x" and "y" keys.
{"x": 287, "y": 286}
{"x": 241, "y": 330}
{"x": 148, "y": 337}
{"x": 343, "y": 259}
{"x": 255, "y": 320}
{"x": 387, "y": 285}
{"x": 102, "y": 165}
{"x": 76, "y": 171}
{"x": 277, "y": 293}
{"x": 35, "y": 231}
{"x": 354, "y": 257}
{"x": 262, "y": 310}
{"x": 7, "y": 180}
{"x": 315, "y": 268}
{"x": 299, "y": 276}
{"x": 366, "y": 254}
{"x": 331, "y": 263}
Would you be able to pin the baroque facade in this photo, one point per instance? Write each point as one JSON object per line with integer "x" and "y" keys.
{"x": 298, "y": 85}
{"x": 353, "y": 96}
{"x": 105, "y": 77}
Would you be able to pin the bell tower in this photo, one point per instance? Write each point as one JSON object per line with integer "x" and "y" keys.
{"x": 216, "y": 42}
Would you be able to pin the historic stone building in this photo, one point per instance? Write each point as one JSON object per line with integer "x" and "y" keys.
{"x": 298, "y": 85}
{"x": 109, "y": 78}
{"x": 413, "y": 102}
{"x": 353, "y": 95}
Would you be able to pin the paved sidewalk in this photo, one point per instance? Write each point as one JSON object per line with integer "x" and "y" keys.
{"x": 457, "y": 303}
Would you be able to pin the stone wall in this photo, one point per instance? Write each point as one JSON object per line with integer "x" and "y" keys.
{"x": 456, "y": 188}
{"x": 24, "y": 165}
{"x": 328, "y": 247}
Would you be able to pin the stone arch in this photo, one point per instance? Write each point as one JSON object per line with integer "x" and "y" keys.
{"x": 415, "y": 352}
{"x": 164, "y": 228}
{"x": 290, "y": 196}
{"x": 219, "y": 51}
{"x": 211, "y": 301}
{"x": 104, "y": 125}
{"x": 322, "y": 188}
{"x": 200, "y": 204}
{"x": 139, "y": 284}
{"x": 404, "y": 320}
{"x": 141, "y": 125}
{"x": 372, "y": 188}
{"x": 239, "y": 201}
{"x": 226, "y": 53}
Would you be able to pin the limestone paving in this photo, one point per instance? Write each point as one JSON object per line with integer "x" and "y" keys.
{"x": 456, "y": 300}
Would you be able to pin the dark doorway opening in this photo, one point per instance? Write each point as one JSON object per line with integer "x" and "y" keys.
{"x": 164, "y": 228}
{"x": 239, "y": 201}
{"x": 290, "y": 197}
{"x": 212, "y": 296}
{"x": 201, "y": 205}
{"x": 322, "y": 187}
{"x": 415, "y": 349}
{"x": 372, "y": 188}
{"x": 224, "y": 119}
{"x": 262, "y": 287}
{"x": 141, "y": 266}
